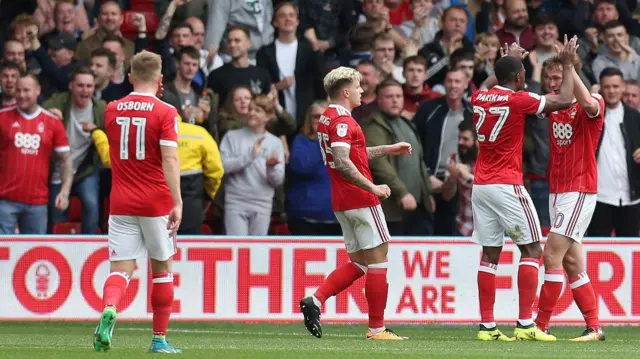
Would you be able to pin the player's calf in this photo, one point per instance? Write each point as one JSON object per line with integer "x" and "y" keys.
{"x": 528, "y": 282}
{"x": 554, "y": 252}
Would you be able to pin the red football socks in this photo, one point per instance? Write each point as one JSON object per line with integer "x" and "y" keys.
{"x": 487, "y": 292}
{"x": 527, "y": 288}
{"x": 376, "y": 290}
{"x": 161, "y": 302}
{"x": 551, "y": 289}
{"x": 585, "y": 298}
{"x": 340, "y": 279}
{"x": 114, "y": 288}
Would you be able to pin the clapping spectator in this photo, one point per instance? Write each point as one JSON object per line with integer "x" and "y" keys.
{"x": 308, "y": 199}
{"x": 620, "y": 55}
{"x": 78, "y": 106}
{"x": 253, "y": 160}
{"x": 9, "y": 74}
{"x": 486, "y": 53}
{"x": 61, "y": 16}
{"x": 423, "y": 28}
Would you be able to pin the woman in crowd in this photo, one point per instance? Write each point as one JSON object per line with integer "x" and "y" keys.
{"x": 308, "y": 197}
{"x": 253, "y": 161}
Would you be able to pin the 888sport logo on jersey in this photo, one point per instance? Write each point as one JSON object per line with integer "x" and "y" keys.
{"x": 562, "y": 133}
{"x": 28, "y": 143}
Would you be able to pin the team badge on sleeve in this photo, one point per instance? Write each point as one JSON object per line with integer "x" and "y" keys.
{"x": 342, "y": 129}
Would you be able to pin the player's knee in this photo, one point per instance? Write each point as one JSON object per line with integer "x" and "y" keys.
{"x": 572, "y": 266}
{"x": 551, "y": 257}
{"x": 491, "y": 254}
{"x": 158, "y": 266}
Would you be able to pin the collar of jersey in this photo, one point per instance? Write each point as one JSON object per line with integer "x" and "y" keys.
{"x": 503, "y": 88}
{"x": 336, "y": 106}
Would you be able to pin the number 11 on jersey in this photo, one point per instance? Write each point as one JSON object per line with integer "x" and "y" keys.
{"x": 125, "y": 125}
{"x": 502, "y": 111}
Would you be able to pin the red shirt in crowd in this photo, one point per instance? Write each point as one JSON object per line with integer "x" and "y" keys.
{"x": 27, "y": 143}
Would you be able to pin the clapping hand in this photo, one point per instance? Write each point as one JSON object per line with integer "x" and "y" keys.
{"x": 568, "y": 55}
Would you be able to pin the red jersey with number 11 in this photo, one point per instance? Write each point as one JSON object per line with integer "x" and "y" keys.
{"x": 574, "y": 139}
{"x": 338, "y": 129}
{"x": 500, "y": 115}
{"x": 136, "y": 126}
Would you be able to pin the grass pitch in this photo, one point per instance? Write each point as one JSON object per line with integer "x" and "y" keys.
{"x": 231, "y": 341}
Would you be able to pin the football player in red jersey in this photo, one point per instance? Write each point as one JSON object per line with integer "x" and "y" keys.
{"x": 356, "y": 203}
{"x": 146, "y": 206}
{"x": 573, "y": 187}
{"x": 500, "y": 202}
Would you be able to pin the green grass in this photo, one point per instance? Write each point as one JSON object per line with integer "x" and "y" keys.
{"x": 256, "y": 341}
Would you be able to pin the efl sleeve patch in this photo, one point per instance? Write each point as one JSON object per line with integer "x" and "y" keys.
{"x": 341, "y": 129}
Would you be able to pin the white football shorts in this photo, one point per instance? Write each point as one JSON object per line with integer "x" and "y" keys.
{"x": 363, "y": 228}
{"x": 571, "y": 213}
{"x": 500, "y": 209}
{"x": 132, "y": 237}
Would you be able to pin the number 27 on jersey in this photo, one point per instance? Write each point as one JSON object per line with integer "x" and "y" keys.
{"x": 502, "y": 112}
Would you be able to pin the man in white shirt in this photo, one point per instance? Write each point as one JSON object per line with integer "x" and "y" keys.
{"x": 618, "y": 206}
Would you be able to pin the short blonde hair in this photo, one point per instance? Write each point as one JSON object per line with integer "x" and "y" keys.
{"x": 146, "y": 66}
{"x": 487, "y": 37}
{"x": 338, "y": 78}
{"x": 265, "y": 102}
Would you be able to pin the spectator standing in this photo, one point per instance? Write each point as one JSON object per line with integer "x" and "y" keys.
{"x": 29, "y": 136}
{"x": 195, "y": 107}
{"x": 409, "y": 209}
{"x": 370, "y": 78}
{"x": 620, "y": 54}
{"x": 253, "y": 160}
{"x": 459, "y": 177}
{"x": 416, "y": 90}
{"x": 9, "y": 74}
{"x": 516, "y": 26}
{"x": 618, "y": 206}
{"x": 631, "y": 94}
{"x": 183, "y": 10}
{"x": 486, "y": 53}
{"x": 546, "y": 36}
{"x": 255, "y": 16}
{"x": 308, "y": 197}
{"x": 14, "y": 52}
{"x": 103, "y": 65}
{"x": 209, "y": 60}
{"x": 78, "y": 106}
{"x": 57, "y": 63}
{"x": 23, "y": 28}
{"x": 384, "y": 54}
{"x": 109, "y": 22}
{"x": 447, "y": 40}
{"x": 326, "y": 23}
{"x": 491, "y": 16}
{"x": 239, "y": 72}
{"x": 422, "y": 29}
{"x": 61, "y": 16}
{"x": 437, "y": 124}
{"x": 292, "y": 64}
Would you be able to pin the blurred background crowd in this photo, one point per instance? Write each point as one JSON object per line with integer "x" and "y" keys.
{"x": 233, "y": 68}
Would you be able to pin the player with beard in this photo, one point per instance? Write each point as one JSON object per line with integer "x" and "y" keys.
{"x": 573, "y": 187}
{"x": 356, "y": 204}
{"x": 8, "y": 79}
{"x": 460, "y": 176}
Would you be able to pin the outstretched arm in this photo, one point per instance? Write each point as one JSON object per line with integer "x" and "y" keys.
{"x": 563, "y": 99}
{"x": 589, "y": 104}
{"x": 377, "y": 152}
{"x": 348, "y": 170}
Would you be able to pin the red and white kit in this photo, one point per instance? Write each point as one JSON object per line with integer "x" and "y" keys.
{"x": 500, "y": 201}
{"x": 357, "y": 210}
{"x": 26, "y": 145}
{"x": 137, "y": 126}
{"x": 573, "y": 170}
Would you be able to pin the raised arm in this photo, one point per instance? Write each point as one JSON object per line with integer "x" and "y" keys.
{"x": 348, "y": 170}
{"x": 562, "y": 100}
{"x": 588, "y": 103}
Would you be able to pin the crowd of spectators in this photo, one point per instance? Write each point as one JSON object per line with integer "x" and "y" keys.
{"x": 246, "y": 78}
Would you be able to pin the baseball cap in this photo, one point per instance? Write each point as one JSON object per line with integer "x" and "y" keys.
{"x": 63, "y": 40}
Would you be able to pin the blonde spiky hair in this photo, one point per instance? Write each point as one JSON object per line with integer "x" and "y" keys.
{"x": 338, "y": 78}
